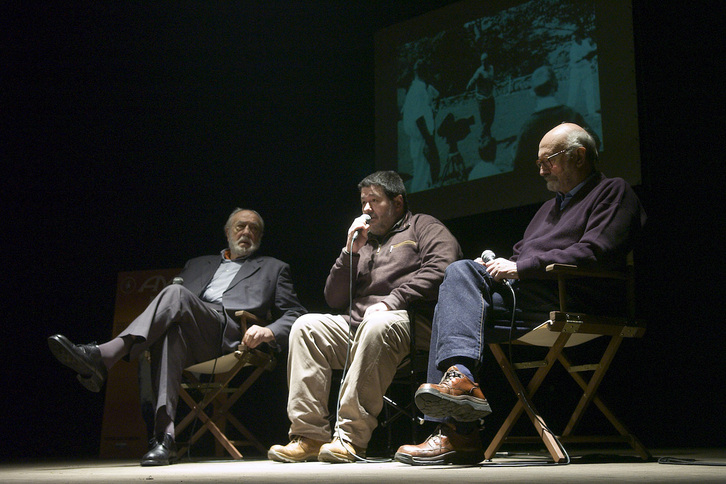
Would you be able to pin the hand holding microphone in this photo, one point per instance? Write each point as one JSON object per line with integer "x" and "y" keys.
{"x": 500, "y": 269}
{"x": 359, "y": 225}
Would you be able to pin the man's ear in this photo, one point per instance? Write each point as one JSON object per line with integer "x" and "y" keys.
{"x": 398, "y": 202}
{"x": 580, "y": 158}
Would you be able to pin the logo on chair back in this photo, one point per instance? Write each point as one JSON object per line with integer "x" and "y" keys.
{"x": 152, "y": 284}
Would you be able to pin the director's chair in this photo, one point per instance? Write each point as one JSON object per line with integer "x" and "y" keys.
{"x": 563, "y": 330}
{"x": 222, "y": 392}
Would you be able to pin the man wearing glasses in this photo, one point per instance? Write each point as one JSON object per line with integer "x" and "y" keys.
{"x": 592, "y": 222}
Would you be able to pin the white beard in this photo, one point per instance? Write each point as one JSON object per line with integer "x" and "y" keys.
{"x": 237, "y": 250}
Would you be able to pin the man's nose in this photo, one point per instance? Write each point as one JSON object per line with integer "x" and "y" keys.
{"x": 367, "y": 208}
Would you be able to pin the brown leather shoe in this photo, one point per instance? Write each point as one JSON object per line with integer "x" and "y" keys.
{"x": 340, "y": 452}
{"x": 444, "y": 446}
{"x": 456, "y": 396}
{"x": 300, "y": 449}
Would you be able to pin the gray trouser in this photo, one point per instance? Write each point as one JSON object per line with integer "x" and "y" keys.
{"x": 178, "y": 329}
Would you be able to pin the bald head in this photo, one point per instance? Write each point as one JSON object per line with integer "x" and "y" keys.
{"x": 567, "y": 155}
{"x": 570, "y": 135}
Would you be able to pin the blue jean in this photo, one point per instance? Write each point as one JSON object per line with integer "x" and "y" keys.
{"x": 473, "y": 310}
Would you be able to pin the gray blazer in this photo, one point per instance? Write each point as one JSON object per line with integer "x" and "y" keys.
{"x": 262, "y": 286}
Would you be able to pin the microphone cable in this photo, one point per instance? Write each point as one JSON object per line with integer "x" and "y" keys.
{"x": 336, "y": 431}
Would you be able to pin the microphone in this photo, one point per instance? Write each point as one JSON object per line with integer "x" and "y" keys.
{"x": 177, "y": 280}
{"x": 366, "y": 218}
{"x": 488, "y": 256}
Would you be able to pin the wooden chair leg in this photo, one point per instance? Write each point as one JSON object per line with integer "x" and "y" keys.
{"x": 524, "y": 396}
{"x": 208, "y": 398}
{"x": 221, "y": 414}
{"x": 208, "y": 424}
{"x": 588, "y": 388}
{"x": 251, "y": 439}
{"x": 197, "y": 411}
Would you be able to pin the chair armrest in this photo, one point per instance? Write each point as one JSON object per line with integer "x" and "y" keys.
{"x": 245, "y": 317}
{"x": 574, "y": 271}
{"x": 248, "y": 316}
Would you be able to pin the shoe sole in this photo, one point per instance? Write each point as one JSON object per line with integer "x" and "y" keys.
{"x": 87, "y": 375}
{"x": 441, "y": 405}
{"x": 156, "y": 463}
{"x": 333, "y": 458}
{"x": 272, "y": 455}
{"x": 92, "y": 383}
{"x": 326, "y": 456}
{"x": 453, "y": 457}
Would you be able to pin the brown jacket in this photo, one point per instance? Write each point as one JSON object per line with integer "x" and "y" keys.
{"x": 405, "y": 265}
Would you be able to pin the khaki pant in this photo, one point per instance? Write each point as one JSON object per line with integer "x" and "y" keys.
{"x": 319, "y": 345}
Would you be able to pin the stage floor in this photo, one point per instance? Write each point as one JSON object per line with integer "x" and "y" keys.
{"x": 699, "y": 465}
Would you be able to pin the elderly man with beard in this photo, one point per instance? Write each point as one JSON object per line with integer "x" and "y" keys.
{"x": 193, "y": 321}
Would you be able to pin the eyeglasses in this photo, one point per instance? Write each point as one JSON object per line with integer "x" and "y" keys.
{"x": 254, "y": 228}
{"x": 547, "y": 159}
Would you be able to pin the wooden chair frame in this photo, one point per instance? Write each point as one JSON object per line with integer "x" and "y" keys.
{"x": 223, "y": 395}
{"x": 565, "y": 329}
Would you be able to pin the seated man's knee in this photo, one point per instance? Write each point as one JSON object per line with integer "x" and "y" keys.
{"x": 378, "y": 324}
{"x": 461, "y": 269}
{"x": 305, "y": 325}
{"x": 178, "y": 289}
{"x": 174, "y": 293}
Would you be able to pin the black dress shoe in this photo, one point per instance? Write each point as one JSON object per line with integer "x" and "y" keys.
{"x": 83, "y": 359}
{"x": 162, "y": 454}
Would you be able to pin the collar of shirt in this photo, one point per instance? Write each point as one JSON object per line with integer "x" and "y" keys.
{"x": 226, "y": 257}
{"x": 380, "y": 238}
{"x": 226, "y": 272}
{"x": 564, "y": 199}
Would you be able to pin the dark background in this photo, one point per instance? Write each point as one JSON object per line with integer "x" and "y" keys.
{"x": 131, "y": 129}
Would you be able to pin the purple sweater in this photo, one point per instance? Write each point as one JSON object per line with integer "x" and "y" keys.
{"x": 595, "y": 230}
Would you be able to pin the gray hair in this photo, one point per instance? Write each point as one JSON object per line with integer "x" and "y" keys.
{"x": 580, "y": 137}
{"x": 237, "y": 210}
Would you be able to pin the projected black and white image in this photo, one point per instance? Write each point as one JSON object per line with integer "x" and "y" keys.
{"x": 474, "y": 100}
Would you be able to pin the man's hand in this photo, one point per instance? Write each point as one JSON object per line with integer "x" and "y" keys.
{"x": 375, "y": 308}
{"x": 256, "y": 335}
{"x": 500, "y": 268}
{"x": 359, "y": 224}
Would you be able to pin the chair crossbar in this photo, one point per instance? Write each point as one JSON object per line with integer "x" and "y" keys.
{"x": 222, "y": 395}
